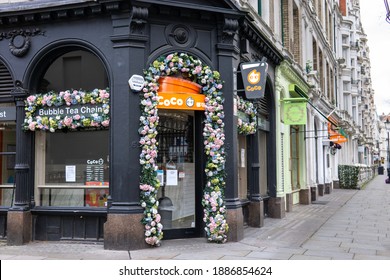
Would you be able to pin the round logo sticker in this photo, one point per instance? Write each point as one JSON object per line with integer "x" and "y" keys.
{"x": 190, "y": 102}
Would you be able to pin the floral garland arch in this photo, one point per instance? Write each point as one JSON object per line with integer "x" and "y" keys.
{"x": 248, "y": 124}
{"x": 182, "y": 64}
{"x": 61, "y": 115}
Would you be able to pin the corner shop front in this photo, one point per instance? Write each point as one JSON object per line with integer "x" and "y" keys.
{"x": 77, "y": 55}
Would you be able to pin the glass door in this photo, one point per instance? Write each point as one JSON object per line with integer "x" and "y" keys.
{"x": 177, "y": 173}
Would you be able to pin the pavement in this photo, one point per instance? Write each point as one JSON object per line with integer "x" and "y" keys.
{"x": 343, "y": 225}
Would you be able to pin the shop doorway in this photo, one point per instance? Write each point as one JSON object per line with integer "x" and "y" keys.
{"x": 180, "y": 173}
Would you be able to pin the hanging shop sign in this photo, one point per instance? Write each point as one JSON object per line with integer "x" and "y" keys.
{"x": 7, "y": 113}
{"x": 254, "y": 75}
{"x": 295, "y": 112}
{"x": 336, "y": 136}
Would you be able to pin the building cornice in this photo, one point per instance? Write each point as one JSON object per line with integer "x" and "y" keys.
{"x": 287, "y": 70}
{"x": 62, "y": 10}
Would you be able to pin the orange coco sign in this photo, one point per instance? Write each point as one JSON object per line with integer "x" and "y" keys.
{"x": 179, "y": 94}
{"x": 181, "y": 101}
{"x": 254, "y": 78}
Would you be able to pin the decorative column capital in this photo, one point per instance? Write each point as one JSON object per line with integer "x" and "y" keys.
{"x": 18, "y": 92}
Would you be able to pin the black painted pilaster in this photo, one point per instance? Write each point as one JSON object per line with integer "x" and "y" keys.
{"x": 123, "y": 229}
{"x": 23, "y": 159}
{"x": 129, "y": 45}
{"x": 19, "y": 220}
{"x": 228, "y": 60}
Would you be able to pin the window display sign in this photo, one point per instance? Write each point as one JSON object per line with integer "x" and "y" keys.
{"x": 242, "y": 154}
{"x": 160, "y": 177}
{"x": 96, "y": 197}
{"x": 172, "y": 177}
{"x": 95, "y": 172}
{"x": 70, "y": 173}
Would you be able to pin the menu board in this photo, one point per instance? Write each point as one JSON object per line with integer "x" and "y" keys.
{"x": 94, "y": 173}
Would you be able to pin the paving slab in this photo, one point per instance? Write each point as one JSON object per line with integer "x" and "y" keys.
{"x": 345, "y": 224}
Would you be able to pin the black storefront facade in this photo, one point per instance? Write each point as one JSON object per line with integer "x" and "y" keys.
{"x": 84, "y": 184}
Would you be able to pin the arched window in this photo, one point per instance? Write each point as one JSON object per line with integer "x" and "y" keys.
{"x": 6, "y": 83}
{"x": 71, "y": 166}
{"x": 7, "y": 137}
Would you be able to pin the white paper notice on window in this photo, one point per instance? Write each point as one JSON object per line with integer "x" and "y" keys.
{"x": 243, "y": 158}
{"x": 172, "y": 177}
{"x": 70, "y": 173}
{"x": 160, "y": 176}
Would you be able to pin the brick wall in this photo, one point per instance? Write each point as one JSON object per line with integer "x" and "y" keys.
{"x": 286, "y": 24}
{"x": 343, "y": 7}
{"x": 297, "y": 35}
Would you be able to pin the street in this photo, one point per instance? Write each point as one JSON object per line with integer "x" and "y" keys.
{"x": 342, "y": 225}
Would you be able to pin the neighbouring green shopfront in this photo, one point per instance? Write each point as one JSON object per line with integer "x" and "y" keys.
{"x": 292, "y": 94}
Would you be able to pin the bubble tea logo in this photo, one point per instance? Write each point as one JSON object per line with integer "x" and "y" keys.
{"x": 254, "y": 77}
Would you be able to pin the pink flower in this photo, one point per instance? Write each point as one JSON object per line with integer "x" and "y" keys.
{"x": 76, "y": 117}
{"x": 103, "y": 94}
{"x": 198, "y": 69}
{"x": 67, "y": 121}
{"x": 145, "y": 187}
{"x": 31, "y": 126}
{"x": 106, "y": 123}
{"x": 31, "y": 98}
